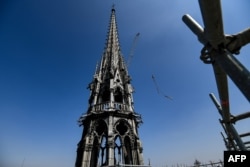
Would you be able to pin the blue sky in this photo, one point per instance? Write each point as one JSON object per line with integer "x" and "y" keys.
{"x": 48, "y": 53}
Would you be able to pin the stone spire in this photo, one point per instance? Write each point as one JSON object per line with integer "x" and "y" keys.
{"x": 111, "y": 73}
{"x": 112, "y": 57}
{"x": 110, "y": 134}
{"x": 112, "y": 54}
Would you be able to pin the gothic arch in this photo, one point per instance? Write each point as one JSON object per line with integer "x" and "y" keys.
{"x": 118, "y": 95}
{"x": 100, "y": 127}
{"x": 122, "y": 127}
{"x": 118, "y": 150}
{"x": 102, "y": 159}
{"x": 105, "y": 95}
{"x": 100, "y": 143}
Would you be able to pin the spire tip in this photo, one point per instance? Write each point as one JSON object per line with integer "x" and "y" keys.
{"x": 113, "y": 7}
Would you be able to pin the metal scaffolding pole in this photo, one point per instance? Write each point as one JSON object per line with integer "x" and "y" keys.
{"x": 218, "y": 50}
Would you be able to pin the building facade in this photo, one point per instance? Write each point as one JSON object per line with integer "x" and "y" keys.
{"x": 110, "y": 125}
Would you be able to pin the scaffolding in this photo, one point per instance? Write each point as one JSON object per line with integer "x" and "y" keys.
{"x": 219, "y": 50}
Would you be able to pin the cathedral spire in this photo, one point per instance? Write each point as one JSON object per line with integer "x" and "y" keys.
{"x": 110, "y": 136}
{"x": 111, "y": 75}
{"x": 112, "y": 58}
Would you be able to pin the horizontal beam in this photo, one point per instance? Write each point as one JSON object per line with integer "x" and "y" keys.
{"x": 245, "y": 134}
{"x": 240, "y": 116}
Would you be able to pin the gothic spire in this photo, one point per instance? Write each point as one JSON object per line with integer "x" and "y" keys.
{"x": 111, "y": 83}
{"x": 110, "y": 134}
{"x": 112, "y": 58}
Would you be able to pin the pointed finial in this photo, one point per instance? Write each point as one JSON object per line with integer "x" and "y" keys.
{"x": 113, "y": 7}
